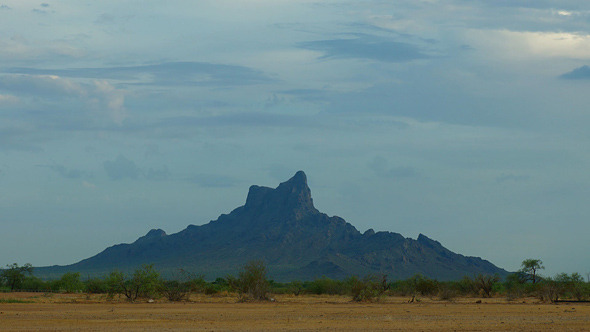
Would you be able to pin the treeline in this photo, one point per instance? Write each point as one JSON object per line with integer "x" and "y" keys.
{"x": 252, "y": 284}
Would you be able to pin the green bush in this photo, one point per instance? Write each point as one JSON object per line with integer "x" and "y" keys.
{"x": 145, "y": 282}
{"x": 251, "y": 283}
{"x": 326, "y": 285}
{"x": 295, "y": 287}
{"x": 70, "y": 283}
{"x": 35, "y": 284}
{"x": 367, "y": 289}
{"x": 96, "y": 286}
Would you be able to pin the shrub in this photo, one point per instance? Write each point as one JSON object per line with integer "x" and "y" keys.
{"x": 295, "y": 287}
{"x": 326, "y": 285}
{"x": 484, "y": 283}
{"x": 70, "y": 283}
{"x": 145, "y": 282}
{"x": 367, "y": 289}
{"x": 34, "y": 284}
{"x": 96, "y": 286}
{"x": 251, "y": 283}
{"x": 175, "y": 290}
{"x": 549, "y": 290}
{"x": 446, "y": 292}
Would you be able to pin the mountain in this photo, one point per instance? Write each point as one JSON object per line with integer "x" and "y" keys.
{"x": 282, "y": 227}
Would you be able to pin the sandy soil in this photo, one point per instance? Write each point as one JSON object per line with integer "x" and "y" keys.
{"x": 66, "y": 312}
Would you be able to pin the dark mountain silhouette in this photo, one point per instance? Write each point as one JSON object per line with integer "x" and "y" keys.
{"x": 282, "y": 227}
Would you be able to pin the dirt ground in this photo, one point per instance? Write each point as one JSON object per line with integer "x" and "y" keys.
{"x": 67, "y": 312}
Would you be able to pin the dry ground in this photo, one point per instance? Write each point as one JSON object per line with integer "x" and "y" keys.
{"x": 66, "y": 312}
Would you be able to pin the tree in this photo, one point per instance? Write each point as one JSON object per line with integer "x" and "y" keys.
{"x": 251, "y": 282}
{"x": 485, "y": 283}
{"x": 70, "y": 282}
{"x": 144, "y": 282}
{"x": 14, "y": 275}
{"x": 531, "y": 267}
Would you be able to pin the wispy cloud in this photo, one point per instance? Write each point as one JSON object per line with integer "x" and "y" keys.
{"x": 121, "y": 168}
{"x": 158, "y": 174}
{"x": 163, "y": 74}
{"x": 363, "y": 46}
{"x": 97, "y": 95}
{"x": 243, "y": 119}
{"x": 65, "y": 172}
{"x": 381, "y": 167}
{"x": 214, "y": 180}
{"x": 580, "y": 73}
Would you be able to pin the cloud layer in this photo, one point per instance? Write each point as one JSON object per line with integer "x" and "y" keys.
{"x": 409, "y": 116}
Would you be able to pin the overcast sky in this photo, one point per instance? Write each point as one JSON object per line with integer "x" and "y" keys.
{"x": 467, "y": 121}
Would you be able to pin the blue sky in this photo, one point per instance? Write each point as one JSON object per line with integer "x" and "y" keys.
{"x": 466, "y": 121}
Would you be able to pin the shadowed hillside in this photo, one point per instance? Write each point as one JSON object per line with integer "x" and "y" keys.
{"x": 282, "y": 227}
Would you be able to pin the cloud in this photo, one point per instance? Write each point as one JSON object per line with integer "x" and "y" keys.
{"x": 213, "y": 181}
{"x": 111, "y": 99}
{"x": 158, "y": 174}
{"x": 8, "y": 99}
{"x": 366, "y": 47}
{"x": 19, "y": 49}
{"x": 88, "y": 185}
{"x": 539, "y": 4}
{"x": 41, "y": 85}
{"x": 5, "y": 7}
{"x": 381, "y": 167}
{"x": 19, "y": 139}
{"x": 309, "y": 95}
{"x": 121, "y": 168}
{"x": 97, "y": 95}
{"x": 163, "y": 74}
{"x": 580, "y": 73}
{"x": 65, "y": 172}
{"x": 247, "y": 119}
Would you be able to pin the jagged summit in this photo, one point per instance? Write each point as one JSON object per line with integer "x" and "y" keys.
{"x": 152, "y": 234}
{"x": 290, "y": 197}
{"x": 282, "y": 227}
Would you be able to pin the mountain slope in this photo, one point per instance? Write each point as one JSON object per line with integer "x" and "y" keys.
{"x": 282, "y": 227}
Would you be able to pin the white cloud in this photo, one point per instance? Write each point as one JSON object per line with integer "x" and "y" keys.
{"x": 105, "y": 100}
{"x": 19, "y": 48}
{"x": 564, "y": 13}
{"x": 517, "y": 45}
{"x": 88, "y": 185}
{"x": 111, "y": 99}
{"x": 8, "y": 99}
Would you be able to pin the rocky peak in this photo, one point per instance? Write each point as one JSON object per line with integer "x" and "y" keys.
{"x": 291, "y": 196}
{"x": 152, "y": 234}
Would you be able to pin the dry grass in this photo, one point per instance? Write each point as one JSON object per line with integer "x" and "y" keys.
{"x": 67, "y": 312}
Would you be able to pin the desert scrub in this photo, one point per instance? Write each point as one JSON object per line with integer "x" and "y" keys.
{"x": 15, "y": 301}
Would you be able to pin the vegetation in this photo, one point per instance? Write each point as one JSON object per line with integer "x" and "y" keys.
{"x": 14, "y": 275}
{"x": 144, "y": 282}
{"x": 252, "y": 284}
{"x": 530, "y": 267}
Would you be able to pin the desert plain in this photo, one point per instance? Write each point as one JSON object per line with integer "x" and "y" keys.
{"x": 81, "y": 312}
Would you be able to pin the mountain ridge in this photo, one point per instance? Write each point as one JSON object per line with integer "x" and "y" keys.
{"x": 282, "y": 227}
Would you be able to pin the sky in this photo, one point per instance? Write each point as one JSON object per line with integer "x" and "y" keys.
{"x": 466, "y": 121}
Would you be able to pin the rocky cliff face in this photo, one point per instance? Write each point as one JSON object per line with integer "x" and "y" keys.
{"x": 282, "y": 227}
